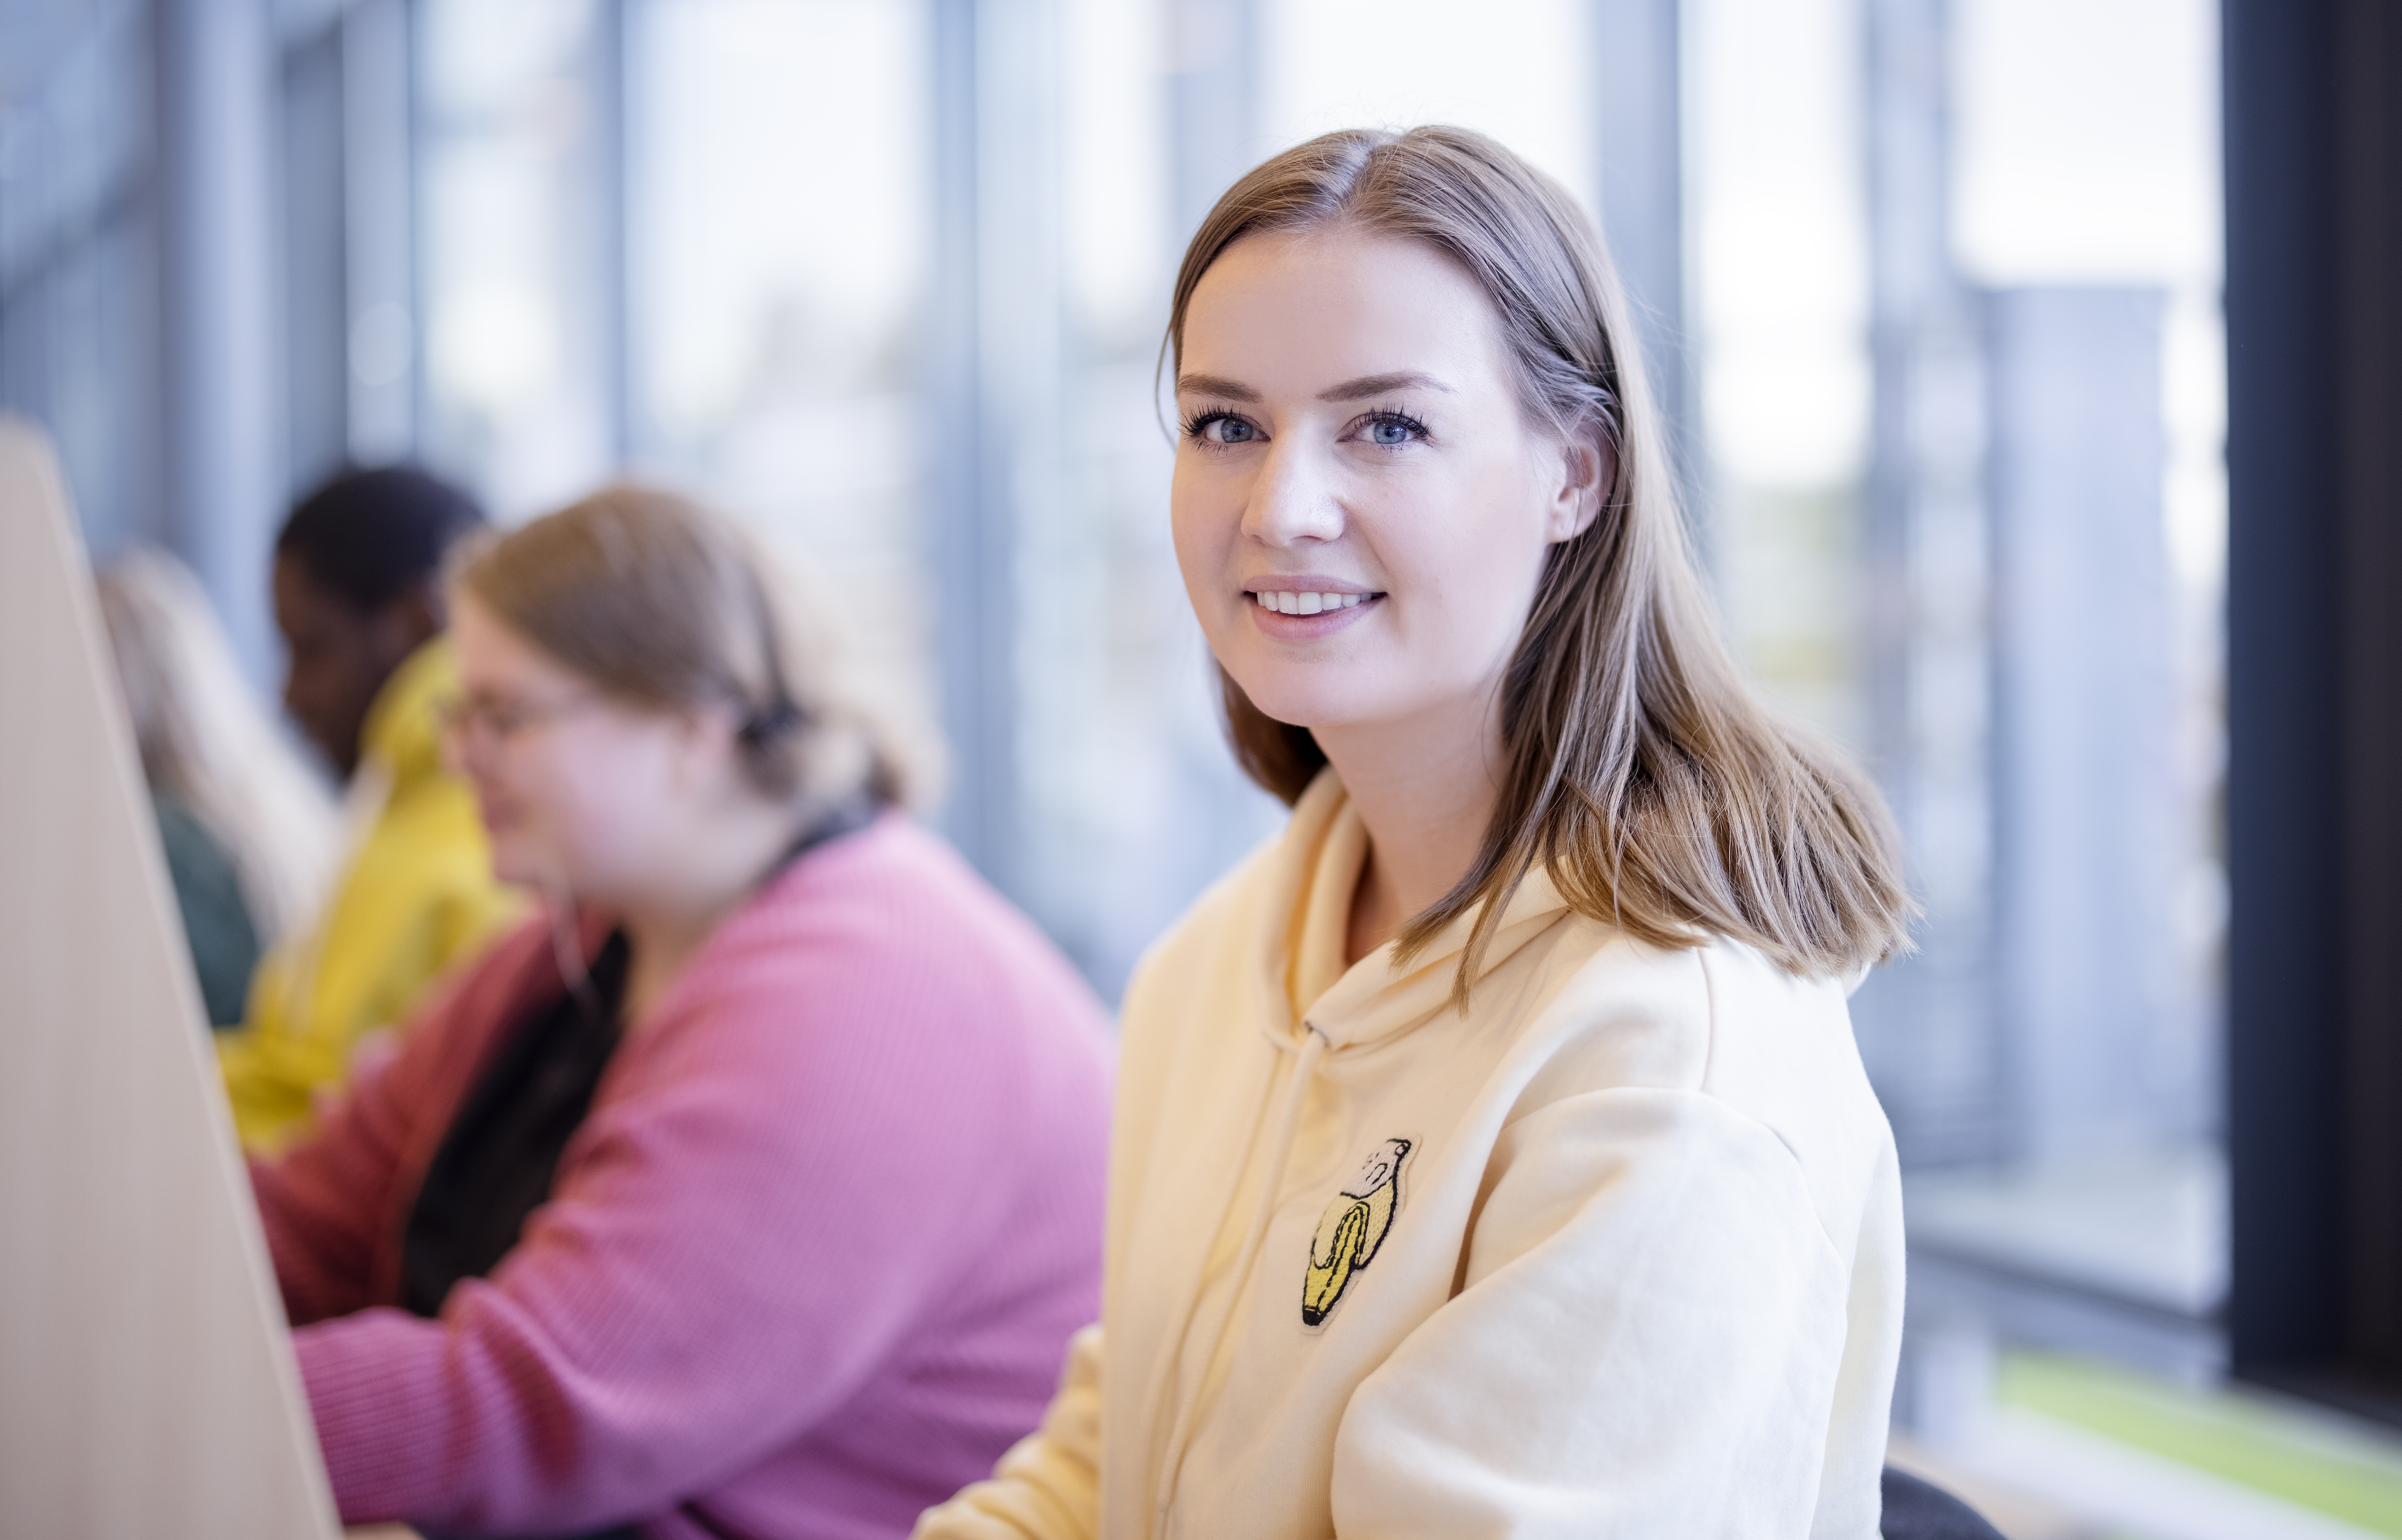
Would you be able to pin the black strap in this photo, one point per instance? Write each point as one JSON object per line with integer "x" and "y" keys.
{"x": 497, "y": 1162}
{"x": 847, "y": 817}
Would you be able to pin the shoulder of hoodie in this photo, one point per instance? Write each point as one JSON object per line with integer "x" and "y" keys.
{"x": 1596, "y": 1011}
{"x": 1720, "y": 1023}
{"x": 1716, "y": 1019}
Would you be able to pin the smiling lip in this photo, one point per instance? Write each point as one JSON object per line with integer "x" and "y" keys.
{"x": 1306, "y": 595}
{"x": 1299, "y": 608}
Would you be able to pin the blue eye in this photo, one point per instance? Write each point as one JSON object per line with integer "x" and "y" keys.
{"x": 1221, "y": 428}
{"x": 1389, "y": 430}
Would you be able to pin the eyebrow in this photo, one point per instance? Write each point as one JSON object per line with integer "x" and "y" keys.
{"x": 1233, "y": 390}
{"x": 1350, "y": 390}
{"x": 1368, "y": 385}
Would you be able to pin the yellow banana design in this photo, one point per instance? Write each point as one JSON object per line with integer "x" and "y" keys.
{"x": 1351, "y": 1230}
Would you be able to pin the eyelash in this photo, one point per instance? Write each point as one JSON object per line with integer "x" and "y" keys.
{"x": 1199, "y": 422}
{"x": 1400, "y": 419}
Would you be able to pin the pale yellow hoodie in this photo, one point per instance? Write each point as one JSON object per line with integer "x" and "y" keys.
{"x": 1617, "y": 1254}
{"x": 415, "y": 896}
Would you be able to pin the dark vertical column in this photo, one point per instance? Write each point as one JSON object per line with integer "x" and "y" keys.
{"x": 2314, "y": 689}
{"x": 2285, "y": 737}
{"x": 1638, "y": 95}
{"x": 2369, "y": 265}
{"x": 216, "y": 66}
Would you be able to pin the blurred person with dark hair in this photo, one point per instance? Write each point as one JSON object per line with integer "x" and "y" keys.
{"x": 358, "y": 597}
{"x": 248, "y": 830}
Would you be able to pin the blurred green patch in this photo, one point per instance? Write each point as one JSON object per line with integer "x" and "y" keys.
{"x": 2235, "y": 1436}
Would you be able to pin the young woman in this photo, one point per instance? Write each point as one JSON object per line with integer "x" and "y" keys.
{"x": 1492, "y": 1155}
{"x": 756, "y": 1189}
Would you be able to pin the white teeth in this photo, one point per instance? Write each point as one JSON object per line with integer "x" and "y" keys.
{"x": 1308, "y": 604}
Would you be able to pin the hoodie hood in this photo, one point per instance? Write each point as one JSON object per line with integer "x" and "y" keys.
{"x": 1617, "y": 1251}
{"x": 1374, "y": 1001}
{"x": 403, "y": 732}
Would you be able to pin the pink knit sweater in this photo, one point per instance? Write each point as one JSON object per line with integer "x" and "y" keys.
{"x": 810, "y": 1265}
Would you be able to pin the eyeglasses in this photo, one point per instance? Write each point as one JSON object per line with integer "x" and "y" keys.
{"x": 496, "y": 718}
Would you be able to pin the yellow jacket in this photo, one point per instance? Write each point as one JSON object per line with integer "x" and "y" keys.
{"x": 417, "y": 895}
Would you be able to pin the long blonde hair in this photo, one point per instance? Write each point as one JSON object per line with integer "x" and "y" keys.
{"x": 208, "y": 743}
{"x": 663, "y": 603}
{"x": 1638, "y": 768}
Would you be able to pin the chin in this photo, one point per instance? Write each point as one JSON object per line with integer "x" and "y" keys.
{"x": 514, "y": 865}
{"x": 1313, "y": 701}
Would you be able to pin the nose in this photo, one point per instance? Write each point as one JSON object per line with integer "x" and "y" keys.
{"x": 1293, "y": 500}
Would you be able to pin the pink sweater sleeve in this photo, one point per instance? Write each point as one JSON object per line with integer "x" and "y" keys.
{"x": 327, "y": 1204}
{"x": 770, "y": 1191}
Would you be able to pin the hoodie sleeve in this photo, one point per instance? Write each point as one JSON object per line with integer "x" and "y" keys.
{"x": 1048, "y": 1486}
{"x": 1646, "y": 1340}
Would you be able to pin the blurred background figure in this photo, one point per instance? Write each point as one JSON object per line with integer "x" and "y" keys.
{"x": 248, "y": 828}
{"x": 357, "y": 587}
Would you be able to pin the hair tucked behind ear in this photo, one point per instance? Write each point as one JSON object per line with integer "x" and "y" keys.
{"x": 1638, "y": 768}
{"x": 659, "y": 601}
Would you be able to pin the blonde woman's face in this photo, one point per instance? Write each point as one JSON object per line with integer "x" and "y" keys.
{"x": 577, "y": 791}
{"x": 1362, "y": 509}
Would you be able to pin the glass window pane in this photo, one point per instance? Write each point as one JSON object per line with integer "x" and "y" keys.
{"x": 782, "y": 187}
{"x": 515, "y": 242}
{"x": 1519, "y": 70}
{"x": 1957, "y": 275}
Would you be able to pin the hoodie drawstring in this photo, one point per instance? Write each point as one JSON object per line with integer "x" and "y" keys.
{"x": 1189, "y": 1398}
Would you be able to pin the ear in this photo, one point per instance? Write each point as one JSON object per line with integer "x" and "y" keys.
{"x": 1588, "y": 470}
{"x": 707, "y": 746}
{"x": 411, "y": 618}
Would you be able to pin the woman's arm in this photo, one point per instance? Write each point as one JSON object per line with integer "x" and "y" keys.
{"x": 747, "y": 1229}
{"x": 1648, "y": 1342}
{"x": 328, "y": 1201}
{"x": 1048, "y": 1486}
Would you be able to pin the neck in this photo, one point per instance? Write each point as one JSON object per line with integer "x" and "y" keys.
{"x": 719, "y": 866}
{"x": 1425, "y": 791}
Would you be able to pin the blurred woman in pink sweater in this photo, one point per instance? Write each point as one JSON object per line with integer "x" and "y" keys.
{"x": 757, "y": 1189}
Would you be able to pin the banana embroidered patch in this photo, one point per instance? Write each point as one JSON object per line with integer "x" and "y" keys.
{"x": 1351, "y": 1230}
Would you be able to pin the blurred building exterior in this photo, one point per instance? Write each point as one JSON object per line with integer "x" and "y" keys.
{"x": 886, "y": 277}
